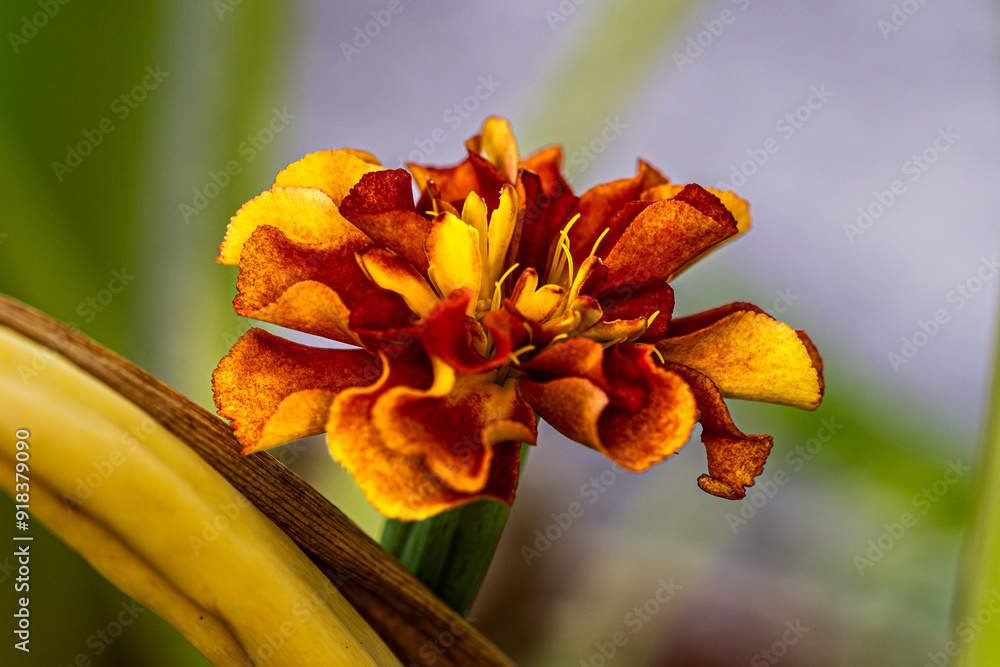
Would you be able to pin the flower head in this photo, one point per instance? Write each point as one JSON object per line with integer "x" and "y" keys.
{"x": 499, "y": 294}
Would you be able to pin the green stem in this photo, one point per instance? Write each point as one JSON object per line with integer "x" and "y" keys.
{"x": 451, "y": 551}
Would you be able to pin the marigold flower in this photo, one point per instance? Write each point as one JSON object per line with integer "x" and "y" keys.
{"x": 498, "y": 295}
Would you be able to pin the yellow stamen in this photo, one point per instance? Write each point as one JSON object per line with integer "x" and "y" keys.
{"x": 517, "y": 353}
{"x": 593, "y": 251}
{"x": 559, "y": 338}
{"x": 557, "y": 262}
{"x": 660, "y": 356}
{"x": 497, "y": 292}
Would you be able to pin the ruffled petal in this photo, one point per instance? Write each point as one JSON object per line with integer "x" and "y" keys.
{"x": 668, "y": 235}
{"x": 381, "y": 205}
{"x": 318, "y": 289}
{"x": 735, "y": 459}
{"x": 619, "y": 402}
{"x": 748, "y": 354}
{"x": 275, "y": 390}
{"x": 455, "y": 424}
{"x": 399, "y": 485}
{"x": 334, "y": 172}
{"x": 306, "y": 215}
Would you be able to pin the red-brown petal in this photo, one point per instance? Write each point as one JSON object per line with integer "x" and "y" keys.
{"x": 735, "y": 459}
{"x": 627, "y": 302}
{"x": 668, "y": 235}
{"x": 449, "y": 334}
{"x": 600, "y": 204}
{"x": 381, "y": 205}
{"x": 275, "y": 390}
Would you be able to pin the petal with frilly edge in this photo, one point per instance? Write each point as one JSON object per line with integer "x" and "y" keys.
{"x": 618, "y": 401}
{"x": 735, "y": 459}
{"x": 399, "y": 485}
{"x": 275, "y": 391}
{"x": 303, "y": 214}
{"x": 334, "y": 172}
{"x": 318, "y": 289}
{"x": 454, "y": 424}
{"x": 748, "y": 354}
{"x": 667, "y": 235}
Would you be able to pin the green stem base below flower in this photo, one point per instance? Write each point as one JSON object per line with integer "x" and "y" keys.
{"x": 451, "y": 551}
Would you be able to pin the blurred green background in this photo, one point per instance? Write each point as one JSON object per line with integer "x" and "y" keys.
{"x": 184, "y": 108}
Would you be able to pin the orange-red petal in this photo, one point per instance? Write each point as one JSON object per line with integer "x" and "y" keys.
{"x": 318, "y": 289}
{"x": 667, "y": 235}
{"x": 619, "y": 401}
{"x": 748, "y": 354}
{"x": 400, "y": 485}
{"x": 455, "y": 424}
{"x": 601, "y": 203}
{"x": 275, "y": 390}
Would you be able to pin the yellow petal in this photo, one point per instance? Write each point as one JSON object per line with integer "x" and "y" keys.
{"x": 750, "y": 355}
{"x": 334, "y": 172}
{"x": 306, "y": 215}
{"x": 503, "y": 221}
{"x": 390, "y": 271}
{"x": 453, "y": 254}
{"x": 500, "y": 146}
